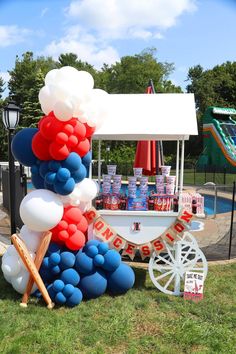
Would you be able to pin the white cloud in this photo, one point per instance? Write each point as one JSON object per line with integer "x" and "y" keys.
{"x": 118, "y": 18}
{"x": 11, "y": 35}
{"x": 85, "y": 46}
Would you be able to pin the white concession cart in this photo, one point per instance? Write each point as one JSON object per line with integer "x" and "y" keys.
{"x": 163, "y": 117}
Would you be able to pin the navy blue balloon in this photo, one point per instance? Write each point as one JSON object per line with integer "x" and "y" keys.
{"x": 72, "y": 162}
{"x": 64, "y": 188}
{"x": 60, "y": 298}
{"x": 67, "y": 260}
{"x": 21, "y": 146}
{"x": 55, "y": 270}
{"x": 121, "y": 280}
{"x": 103, "y": 247}
{"x": 37, "y": 181}
{"x": 54, "y": 165}
{"x": 58, "y": 285}
{"x": 52, "y": 293}
{"x": 79, "y": 174}
{"x": 50, "y": 177}
{"x": 70, "y": 276}
{"x": 63, "y": 174}
{"x": 92, "y": 251}
{"x": 83, "y": 263}
{"x": 43, "y": 168}
{"x": 68, "y": 290}
{"x": 98, "y": 260}
{"x": 53, "y": 247}
{"x": 112, "y": 260}
{"x": 91, "y": 243}
{"x": 86, "y": 160}
{"x": 54, "y": 259}
{"x": 75, "y": 298}
{"x": 93, "y": 285}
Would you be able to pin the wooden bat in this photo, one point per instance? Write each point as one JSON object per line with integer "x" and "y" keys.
{"x": 29, "y": 263}
{"x": 41, "y": 251}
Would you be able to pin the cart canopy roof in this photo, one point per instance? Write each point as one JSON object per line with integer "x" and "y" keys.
{"x": 149, "y": 117}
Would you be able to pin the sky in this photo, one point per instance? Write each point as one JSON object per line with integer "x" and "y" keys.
{"x": 184, "y": 32}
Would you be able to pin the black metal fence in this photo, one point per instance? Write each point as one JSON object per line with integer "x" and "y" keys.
{"x": 192, "y": 175}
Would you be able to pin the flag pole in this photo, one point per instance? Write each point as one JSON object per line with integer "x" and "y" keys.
{"x": 159, "y": 146}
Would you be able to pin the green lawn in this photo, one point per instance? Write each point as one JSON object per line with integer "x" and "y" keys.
{"x": 142, "y": 321}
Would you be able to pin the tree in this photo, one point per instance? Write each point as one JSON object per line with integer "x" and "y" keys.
{"x": 213, "y": 87}
{"x": 71, "y": 59}
{"x": 2, "y": 89}
{"x": 132, "y": 73}
{"x": 26, "y": 80}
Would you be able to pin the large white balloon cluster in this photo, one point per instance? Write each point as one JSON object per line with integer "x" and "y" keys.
{"x": 13, "y": 269}
{"x": 69, "y": 93}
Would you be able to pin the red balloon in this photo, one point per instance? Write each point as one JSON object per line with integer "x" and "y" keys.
{"x": 58, "y": 152}
{"x": 40, "y": 147}
{"x": 61, "y": 138}
{"x": 72, "y": 215}
{"x": 79, "y": 130}
{"x": 70, "y": 231}
{"x": 68, "y": 129}
{"x": 82, "y": 148}
{"x": 63, "y": 235}
{"x": 76, "y": 241}
{"x": 72, "y": 141}
{"x": 89, "y": 130}
{"x": 50, "y": 126}
{"x": 83, "y": 224}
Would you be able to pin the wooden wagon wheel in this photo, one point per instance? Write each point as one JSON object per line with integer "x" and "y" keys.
{"x": 167, "y": 270}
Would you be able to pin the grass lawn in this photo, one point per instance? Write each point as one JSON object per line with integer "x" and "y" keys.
{"x": 142, "y": 321}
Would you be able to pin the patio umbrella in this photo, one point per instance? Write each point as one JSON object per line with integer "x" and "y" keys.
{"x": 149, "y": 153}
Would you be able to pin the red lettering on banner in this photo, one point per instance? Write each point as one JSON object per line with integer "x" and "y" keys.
{"x": 169, "y": 237}
{"x": 158, "y": 245}
{"x": 90, "y": 215}
{"x": 130, "y": 248}
{"x": 99, "y": 225}
{"x": 145, "y": 250}
{"x": 186, "y": 216}
{"x": 117, "y": 242}
{"x": 107, "y": 234}
{"x": 179, "y": 227}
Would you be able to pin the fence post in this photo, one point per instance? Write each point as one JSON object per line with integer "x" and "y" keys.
{"x": 232, "y": 221}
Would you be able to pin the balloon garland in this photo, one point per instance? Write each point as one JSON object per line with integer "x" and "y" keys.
{"x": 58, "y": 152}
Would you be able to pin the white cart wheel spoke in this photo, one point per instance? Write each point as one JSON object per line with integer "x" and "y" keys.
{"x": 184, "y": 255}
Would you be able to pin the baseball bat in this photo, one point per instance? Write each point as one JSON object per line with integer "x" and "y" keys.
{"x": 29, "y": 263}
{"x": 41, "y": 251}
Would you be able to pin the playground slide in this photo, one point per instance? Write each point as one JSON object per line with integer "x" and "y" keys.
{"x": 219, "y": 138}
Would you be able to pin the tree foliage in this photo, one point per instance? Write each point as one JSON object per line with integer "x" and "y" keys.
{"x": 213, "y": 87}
{"x": 132, "y": 74}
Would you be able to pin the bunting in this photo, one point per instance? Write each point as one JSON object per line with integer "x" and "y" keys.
{"x": 106, "y": 233}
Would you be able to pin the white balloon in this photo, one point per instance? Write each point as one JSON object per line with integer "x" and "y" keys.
{"x": 50, "y": 78}
{"x": 86, "y": 80}
{"x": 19, "y": 282}
{"x": 11, "y": 266}
{"x": 84, "y": 206}
{"x": 63, "y": 110}
{"x": 8, "y": 279}
{"x": 72, "y": 198}
{"x": 88, "y": 190}
{"x": 11, "y": 251}
{"x": 31, "y": 238}
{"x": 41, "y": 210}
